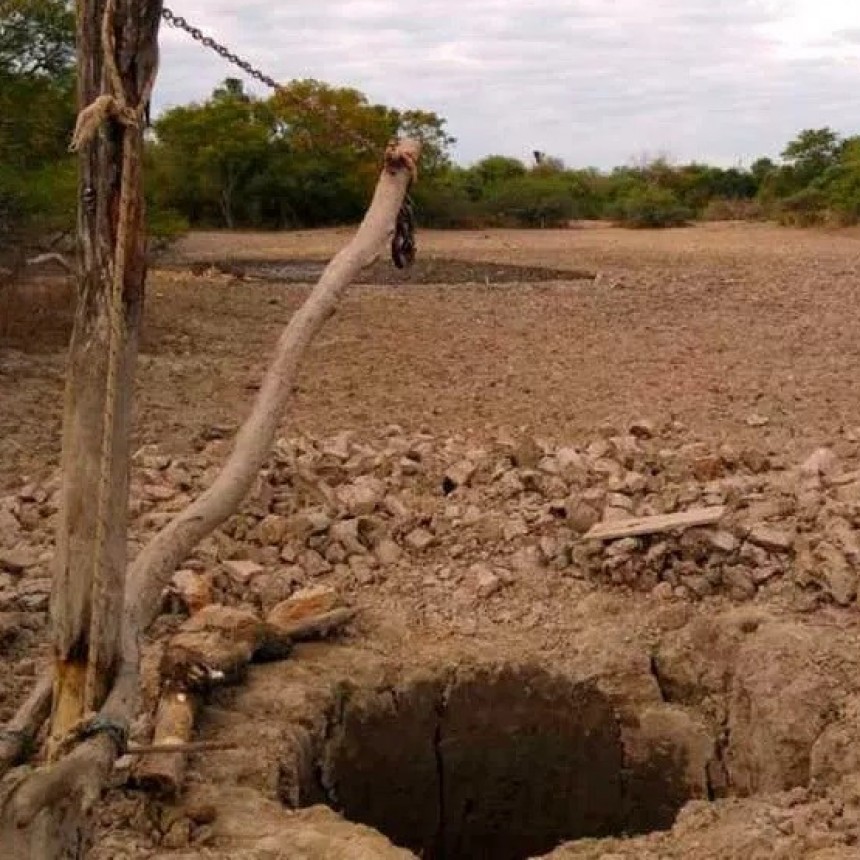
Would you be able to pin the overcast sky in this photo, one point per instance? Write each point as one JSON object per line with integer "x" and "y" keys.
{"x": 596, "y": 82}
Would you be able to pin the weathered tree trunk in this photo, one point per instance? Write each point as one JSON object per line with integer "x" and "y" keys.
{"x": 91, "y": 532}
{"x": 80, "y": 547}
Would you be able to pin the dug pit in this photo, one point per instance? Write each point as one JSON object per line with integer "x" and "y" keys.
{"x": 488, "y": 761}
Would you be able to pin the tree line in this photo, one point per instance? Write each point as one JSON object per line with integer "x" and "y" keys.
{"x": 236, "y": 160}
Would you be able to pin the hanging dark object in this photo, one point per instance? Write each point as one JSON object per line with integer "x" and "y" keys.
{"x": 403, "y": 244}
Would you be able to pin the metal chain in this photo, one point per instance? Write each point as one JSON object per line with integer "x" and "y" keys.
{"x": 324, "y": 112}
{"x": 208, "y": 42}
{"x": 403, "y": 244}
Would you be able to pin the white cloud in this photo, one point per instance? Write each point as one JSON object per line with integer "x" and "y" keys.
{"x": 593, "y": 81}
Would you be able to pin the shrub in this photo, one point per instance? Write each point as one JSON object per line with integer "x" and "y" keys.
{"x": 650, "y": 207}
{"x": 532, "y": 201}
{"x": 841, "y": 188}
{"x": 806, "y": 208}
{"x": 734, "y": 209}
{"x": 165, "y": 226}
{"x": 446, "y": 205}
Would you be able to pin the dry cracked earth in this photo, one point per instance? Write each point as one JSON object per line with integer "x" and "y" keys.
{"x": 512, "y": 685}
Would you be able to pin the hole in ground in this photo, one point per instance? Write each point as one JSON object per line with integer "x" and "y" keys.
{"x": 504, "y": 762}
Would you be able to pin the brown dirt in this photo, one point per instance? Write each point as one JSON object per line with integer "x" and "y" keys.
{"x": 742, "y": 334}
{"x": 710, "y": 324}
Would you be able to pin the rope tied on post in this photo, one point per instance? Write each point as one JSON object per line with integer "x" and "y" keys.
{"x": 112, "y": 105}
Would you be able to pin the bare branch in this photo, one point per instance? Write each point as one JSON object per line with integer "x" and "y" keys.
{"x": 59, "y": 259}
{"x": 22, "y": 729}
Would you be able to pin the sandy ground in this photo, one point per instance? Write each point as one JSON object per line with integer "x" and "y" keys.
{"x": 711, "y": 324}
{"x": 742, "y": 338}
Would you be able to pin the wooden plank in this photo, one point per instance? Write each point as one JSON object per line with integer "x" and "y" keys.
{"x": 654, "y": 525}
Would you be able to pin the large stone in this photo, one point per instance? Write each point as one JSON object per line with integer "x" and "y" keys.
{"x": 242, "y": 571}
{"x": 835, "y": 574}
{"x": 195, "y": 589}
{"x": 770, "y": 538}
{"x": 272, "y": 530}
{"x": 419, "y": 539}
{"x": 238, "y": 625}
{"x": 18, "y": 559}
{"x": 362, "y": 496}
{"x": 305, "y": 603}
{"x": 581, "y": 516}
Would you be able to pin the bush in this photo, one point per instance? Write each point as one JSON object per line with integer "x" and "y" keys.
{"x": 165, "y": 226}
{"x": 447, "y": 206}
{"x": 841, "y": 188}
{"x": 531, "y": 201}
{"x": 806, "y": 208}
{"x": 650, "y": 207}
{"x": 734, "y": 209}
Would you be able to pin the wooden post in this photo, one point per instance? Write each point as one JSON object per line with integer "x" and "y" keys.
{"x": 80, "y": 545}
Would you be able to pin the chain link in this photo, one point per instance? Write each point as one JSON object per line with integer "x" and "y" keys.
{"x": 208, "y": 42}
{"x": 312, "y": 104}
{"x": 403, "y": 244}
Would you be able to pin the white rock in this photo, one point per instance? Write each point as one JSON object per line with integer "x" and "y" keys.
{"x": 419, "y": 539}
{"x": 243, "y": 571}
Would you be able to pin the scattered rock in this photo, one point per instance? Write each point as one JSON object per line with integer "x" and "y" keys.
{"x": 819, "y": 463}
{"x": 388, "y": 552}
{"x": 362, "y": 496}
{"x": 305, "y": 603}
{"x": 18, "y": 559}
{"x": 195, "y": 589}
{"x": 775, "y": 540}
{"x": 419, "y": 539}
{"x": 458, "y": 475}
{"x": 642, "y": 429}
{"x": 487, "y": 582}
{"x": 273, "y": 530}
{"x": 242, "y": 571}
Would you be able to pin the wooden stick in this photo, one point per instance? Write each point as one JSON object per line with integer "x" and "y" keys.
{"x": 654, "y": 525}
{"x": 174, "y": 725}
{"x": 22, "y": 729}
{"x": 39, "y": 259}
{"x": 319, "y": 625}
{"x": 277, "y": 641}
{"x": 183, "y": 748}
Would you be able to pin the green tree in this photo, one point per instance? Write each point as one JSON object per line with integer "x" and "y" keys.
{"x": 812, "y": 152}
{"x": 37, "y": 188}
{"x": 206, "y": 156}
